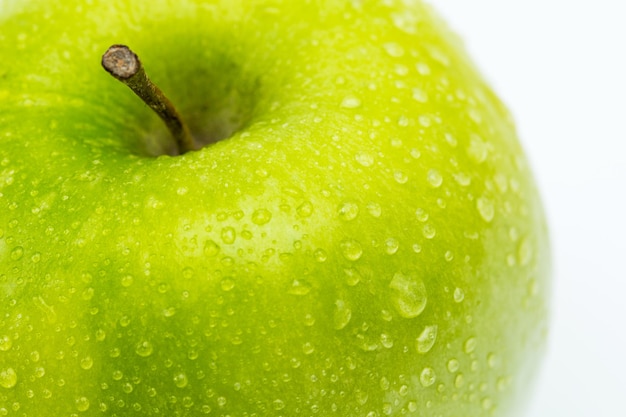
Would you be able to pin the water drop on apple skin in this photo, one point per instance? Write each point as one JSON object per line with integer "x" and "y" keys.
{"x": 486, "y": 209}
{"x": 470, "y": 345}
{"x": 300, "y": 287}
{"x": 261, "y": 217}
{"x": 181, "y": 380}
{"x": 17, "y": 253}
{"x": 305, "y": 209}
{"x": 351, "y": 102}
{"x": 5, "y": 343}
{"x": 144, "y": 348}
{"x": 459, "y": 295}
{"x": 8, "y": 378}
{"x": 229, "y": 235}
{"x": 351, "y": 249}
{"x": 86, "y": 363}
{"x": 365, "y": 159}
{"x": 342, "y": 315}
{"x": 408, "y": 294}
{"x": 453, "y": 365}
{"x": 426, "y": 340}
{"x": 374, "y": 209}
{"x": 394, "y": 50}
{"x": 82, "y": 404}
{"x": 427, "y": 377}
{"x": 391, "y": 246}
{"x": 429, "y": 231}
{"x": 434, "y": 178}
{"x": 348, "y": 211}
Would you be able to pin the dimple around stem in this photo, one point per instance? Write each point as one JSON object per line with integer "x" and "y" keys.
{"x": 124, "y": 64}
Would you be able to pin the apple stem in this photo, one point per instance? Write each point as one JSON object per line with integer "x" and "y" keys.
{"x": 124, "y": 64}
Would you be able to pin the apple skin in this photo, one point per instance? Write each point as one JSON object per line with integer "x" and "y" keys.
{"x": 367, "y": 241}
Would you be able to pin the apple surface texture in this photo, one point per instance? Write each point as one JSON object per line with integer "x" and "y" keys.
{"x": 356, "y": 231}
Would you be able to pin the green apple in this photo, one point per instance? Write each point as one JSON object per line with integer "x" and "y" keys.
{"x": 358, "y": 234}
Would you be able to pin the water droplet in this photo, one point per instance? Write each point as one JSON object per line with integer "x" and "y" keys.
{"x": 342, "y": 314}
{"x": 453, "y": 365}
{"x": 409, "y": 295}
{"x": 40, "y": 371}
{"x": 278, "y": 405}
{"x": 420, "y": 95}
{"x": 86, "y": 363}
{"x": 17, "y": 253}
{"x": 228, "y": 235}
{"x": 422, "y": 68}
{"x": 426, "y": 339}
{"x": 503, "y": 383}
{"x": 451, "y": 140}
{"x": 434, "y": 178}
{"x": 348, "y": 211}
{"x": 429, "y": 231}
{"x": 459, "y": 381}
{"x": 424, "y": 120}
{"x": 384, "y": 384}
{"x": 395, "y": 142}
{"x": 100, "y": 335}
{"x": 391, "y": 246}
{"x": 386, "y": 341}
{"x": 487, "y": 403}
{"x": 144, "y": 349}
{"x": 374, "y": 209}
{"x": 427, "y": 377}
{"x": 351, "y": 102}
{"x": 492, "y": 360}
{"x": 462, "y": 179}
{"x": 510, "y": 259}
{"x": 421, "y": 214}
{"x": 394, "y": 49}
{"x": 127, "y": 281}
{"x": 8, "y": 378}
{"x": 82, "y": 404}
{"x": 485, "y": 208}
{"x": 478, "y": 149}
{"x": 320, "y": 255}
{"x": 211, "y": 248}
{"x": 5, "y": 343}
{"x": 305, "y": 209}
{"x": 459, "y": 295}
{"x": 400, "y": 177}
{"x": 352, "y": 277}
{"x": 300, "y": 287}
{"x": 227, "y": 284}
{"x": 180, "y": 380}
{"x": 365, "y": 159}
{"x": 351, "y": 249}
{"x": 308, "y": 348}
{"x": 261, "y": 217}
{"x": 361, "y": 397}
{"x": 470, "y": 345}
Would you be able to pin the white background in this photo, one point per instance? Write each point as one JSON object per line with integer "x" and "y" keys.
{"x": 561, "y": 67}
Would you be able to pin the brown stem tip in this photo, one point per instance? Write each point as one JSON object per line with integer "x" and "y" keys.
{"x": 124, "y": 64}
